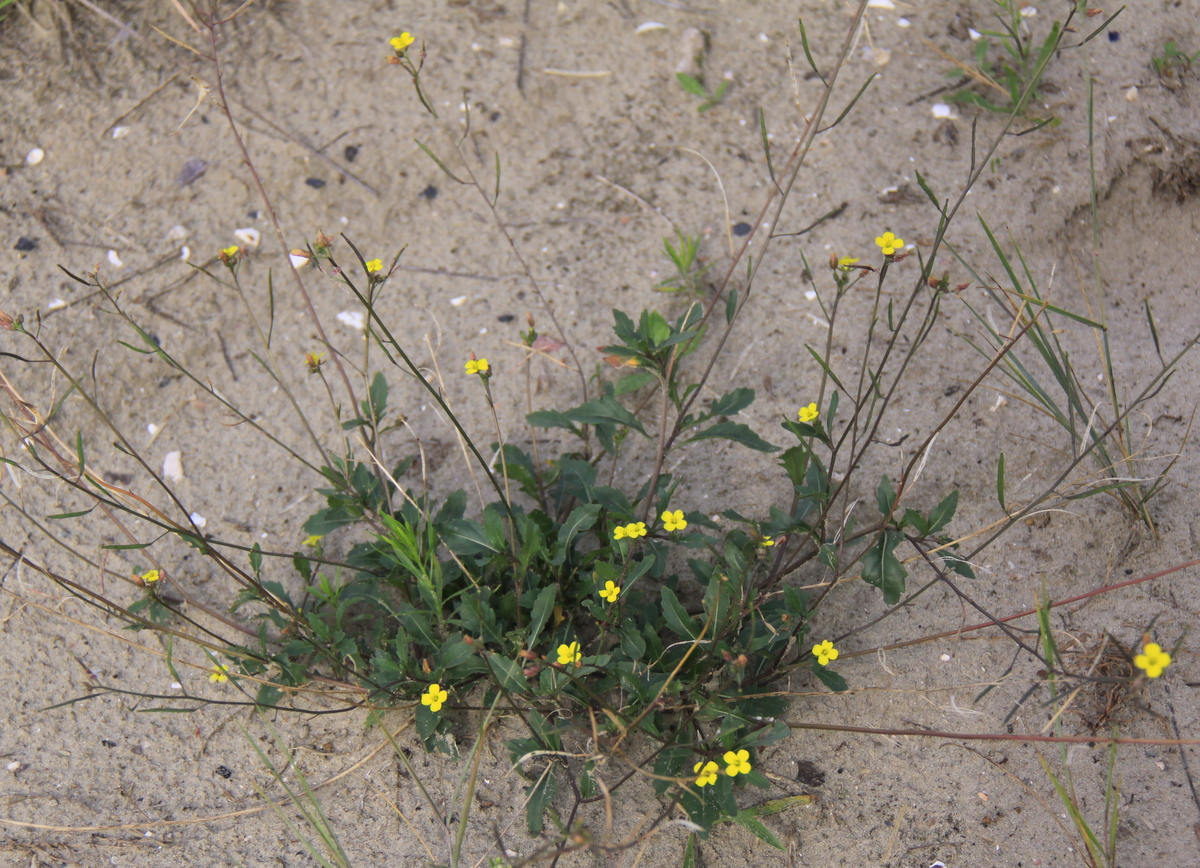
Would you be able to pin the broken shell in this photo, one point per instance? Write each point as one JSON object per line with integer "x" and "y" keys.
{"x": 299, "y": 258}
{"x": 114, "y": 259}
{"x": 173, "y": 466}
{"x": 56, "y": 304}
{"x": 941, "y": 110}
{"x": 352, "y": 318}
{"x": 35, "y": 156}
{"x": 185, "y": 253}
{"x": 650, "y": 25}
{"x": 249, "y": 236}
{"x": 121, "y": 132}
{"x": 199, "y": 520}
{"x": 458, "y": 300}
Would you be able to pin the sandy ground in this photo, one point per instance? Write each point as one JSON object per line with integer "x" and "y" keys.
{"x": 595, "y": 174}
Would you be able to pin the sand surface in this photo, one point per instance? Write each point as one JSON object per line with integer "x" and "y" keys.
{"x": 597, "y": 168}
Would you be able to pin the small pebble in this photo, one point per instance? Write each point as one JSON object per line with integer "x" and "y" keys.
{"x": 25, "y": 244}
{"x": 199, "y": 520}
{"x": 430, "y": 192}
{"x": 253, "y": 215}
{"x": 903, "y": 22}
{"x": 1113, "y": 36}
{"x": 1132, "y": 94}
{"x": 248, "y": 236}
{"x": 506, "y": 42}
{"x": 458, "y": 300}
{"x": 941, "y": 110}
{"x": 315, "y": 183}
{"x": 35, "y": 156}
{"x": 506, "y": 317}
{"x": 56, "y": 304}
{"x": 350, "y": 153}
{"x": 741, "y": 229}
{"x": 192, "y": 169}
{"x": 881, "y": 4}
{"x": 173, "y": 466}
{"x": 121, "y": 132}
{"x": 114, "y": 260}
{"x": 185, "y": 253}
{"x": 13, "y": 766}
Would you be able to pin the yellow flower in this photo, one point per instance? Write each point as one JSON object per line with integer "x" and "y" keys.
{"x": 434, "y": 697}
{"x": 889, "y": 243}
{"x": 673, "y": 521}
{"x": 151, "y": 576}
{"x": 218, "y": 676}
{"x": 630, "y": 531}
{"x": 229, "y": 255}
{"x": 766, "y": 542}
{"x": 610, "y": 591}
{"x": 825, "y": 652}
{"x": 1153, "y": 659}
{"x": 807, "y": 414}
{"x": 400, "y": 43}
{"x": 845, "y": 262}
{"x": 568, "y": 654}
{"x": 374, "y": 265}
{"x": 477, "y": 366}
{"x": 737, "y": 763}
{"x": 314, "y": 361}
{"x": 313, "y": 541}
{"x": 708, "y": 772}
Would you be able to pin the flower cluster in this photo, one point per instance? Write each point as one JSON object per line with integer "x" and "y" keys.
{"x": 630, "y": 531}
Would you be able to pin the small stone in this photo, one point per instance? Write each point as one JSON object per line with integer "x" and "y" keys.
{"x": 192, "y": 169}
{"x": 458, "y": 300}
{"x": 350, "y": 153}
{"x": 173, "y": 466}
{"x": 506, "y": 317}
{"x": 56, "y": 304}
{"x": 315, "y": 183}
{"x": 35, "y": 156}
{"x": 121, "y": 132}
{"x": 25, "y": 244}
{"x": 741, "y": 229}
{"x": 199, "y": 520}
{"x": 430, "y": 192}
{"x": 114, "y": 260}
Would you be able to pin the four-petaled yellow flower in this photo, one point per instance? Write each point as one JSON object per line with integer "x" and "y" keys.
{"x": 477, "y": 366}
{"x": 737, "y": 763}
{"x": 229, "y": 254}
{"x": 400, "y": 43}
{"x": 218, "y": 676}
{"x": 1153, "y": 659}
{"x": 568, "y": 654}
{"x": 631, "y": 531}
{"x": 707, "y": 772}
{"x": 807, "y": 414}
{"x": 825, "y": 652}
{"x": 374, "y": 265}
{"x": 610, "y": 591}
{"x": 845, "y": 262}
{"x": 434, "y": 697}
{"x": 889, "y": 243}
{"x": 766, "y": 542}
{"x": 673, "y": 521}
{"x": 150, "y": 576}
{"x": 313, "y": 541}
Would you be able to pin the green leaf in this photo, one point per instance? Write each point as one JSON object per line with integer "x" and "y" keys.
{"x": 427, "y": 723}
{"x": 539, "y": 795}
{"x": 747, "y": 821}
{"x": 738, "y": 433}
{"x": 256, "y": 558}
{"x": 454, "y": 654}
{"x": 731, "y": 305}
{"x": 1000, "y": 481}
{"x": 542, "y": 607}
{"x": 581, "y": 518}
{"x": 881, "y": 567}
{"x": 683, "y": 624}
{"x": 325, "y": 521}
{"x": 552, "y": 419}
{"x": 508, "y": 673}
{"x": 943, "y": 512}
{"x": 885, "y": 496}
{"x": 633, "y": 382}
{"x": 808, "y": 54}
{"x": 71, "y": 514}
{"x": 691, "y": 85}
{"x": 732, "y": 403}
{"x": 831, "y": 679}
{"x": 689, "y": 852}
{"x": 604, "y": 411}
{"x": 467, "y": 537}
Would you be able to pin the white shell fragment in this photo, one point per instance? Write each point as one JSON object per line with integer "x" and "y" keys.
{"x": 506, "y": 42}
{"x": 647, "y": 26}
{"x": 352, "y": 318}
{"x": 121, "y": 132}
{"x": 458, "y": 300}
{"x": 114, "y": 259}
{"x": 13, "y": 766}
{"x": 941, "y": 110}
{"x": 903, "y": 22}
{"x": 185, "y": 253}
{"x": 56, "y": 304}
{"x": 173, "y": 466}
{"x": 199, "y": 520}
{"x": 177, "y": 233}
{"x": 35, "y": 156}
{"x": 299, "y": 258}
{"x": 974, "y": 34}
{"x": 881, "y": 4}
{"x": 248, "y": 236}
{"x": 1131, "y": 95}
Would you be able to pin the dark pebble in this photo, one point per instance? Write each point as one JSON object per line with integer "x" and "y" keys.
{"x": 741, "y": 229}
{"x": 24, "y": 244}
{"x": 1113, "y": 36}
{"x": 350, "y": 153}
{"x": 430, "y": 192}
{"x": 192, "y": 169}
{"x": 315, "y": 183}
{"x": 494, "y": 116}
{"x": 506, "y": 317}
{"x": 253, "y": 215}
{"x": 224, "y": 772}
{"x": 107, "y": 743}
